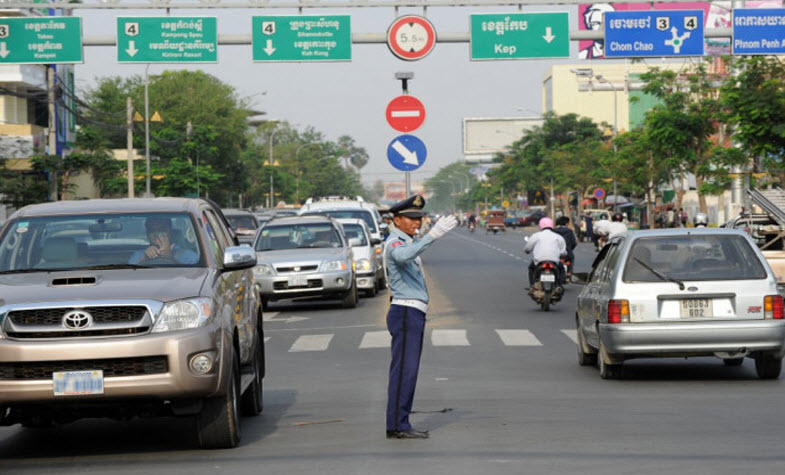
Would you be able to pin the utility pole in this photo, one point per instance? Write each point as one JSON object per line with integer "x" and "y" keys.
{"x": 129, "y": 124}
{"x": 54, "y": 176}
{"x": 405, "y": 77}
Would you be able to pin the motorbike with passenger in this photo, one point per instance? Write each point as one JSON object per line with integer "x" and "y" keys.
{"x": 545, "y": 276}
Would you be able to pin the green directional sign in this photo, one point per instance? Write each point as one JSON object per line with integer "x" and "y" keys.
{"x": 167, "y": 40}
{"x": 520, "y": 35}
{"x": 302, "y": 38}
{"x": 47, "y": 40}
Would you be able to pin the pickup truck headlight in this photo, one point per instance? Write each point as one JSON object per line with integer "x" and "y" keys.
{"x": 262, "y": 270}
{"x": 183, "y": 315}
{"x": 363, "y": 264}
{"x": 334, "y": 265}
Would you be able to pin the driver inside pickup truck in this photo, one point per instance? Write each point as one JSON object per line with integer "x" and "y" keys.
{"x": 162, "y": 247}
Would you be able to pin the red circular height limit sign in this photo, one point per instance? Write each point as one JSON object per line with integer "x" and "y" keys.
{"x": 411, "y": 37}
{"x": 405, "y": 113}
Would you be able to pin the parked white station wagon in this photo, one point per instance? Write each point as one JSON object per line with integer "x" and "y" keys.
{"x": 680, "y": 293}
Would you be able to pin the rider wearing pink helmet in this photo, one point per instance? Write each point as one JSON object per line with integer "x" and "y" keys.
{"x": 545, "y": 245}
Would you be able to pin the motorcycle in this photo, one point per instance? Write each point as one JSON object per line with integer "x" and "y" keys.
{"x": 472, "y": 226}
{"x": 547, "y": 288}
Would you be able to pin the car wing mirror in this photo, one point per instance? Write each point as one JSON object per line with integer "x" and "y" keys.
{"x": 239, "y": 257}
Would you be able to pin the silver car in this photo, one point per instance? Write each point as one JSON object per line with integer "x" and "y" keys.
{"x": 367, "y": 261}
{"x": 299, "y": 257}
{"x": 680, "y": 293}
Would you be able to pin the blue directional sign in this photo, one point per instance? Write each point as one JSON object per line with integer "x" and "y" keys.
{"x": 634, "y": 34}
{"x": 406, "y": 153}
{"x": 759, "y": 31}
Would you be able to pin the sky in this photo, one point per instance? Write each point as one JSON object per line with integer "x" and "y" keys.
{"x": 350, "y": 98}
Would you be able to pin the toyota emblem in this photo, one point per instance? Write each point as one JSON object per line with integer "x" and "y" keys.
{"x": 77, "y": 320}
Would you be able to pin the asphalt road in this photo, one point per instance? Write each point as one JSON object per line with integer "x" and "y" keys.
{"x": 499, "y": 389}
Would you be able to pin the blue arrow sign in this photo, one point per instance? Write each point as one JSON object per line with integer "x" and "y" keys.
{"x": 634, "y": 34}
{"x": 759, "y": 31}
{"x": 406, "y": 153}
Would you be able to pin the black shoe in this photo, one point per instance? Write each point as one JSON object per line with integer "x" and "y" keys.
{"x": 407, "y": 434}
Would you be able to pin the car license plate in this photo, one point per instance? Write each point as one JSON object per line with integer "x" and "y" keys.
{"x": 696, "y": 308}
{"x": 547, "y": 278}
{"x": 298, "y": 281}
{"x": 78, "y": 383}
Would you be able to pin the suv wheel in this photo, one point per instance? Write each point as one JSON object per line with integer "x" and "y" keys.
{"x": 251, "y": 403}
{"x": 218, "y": 425}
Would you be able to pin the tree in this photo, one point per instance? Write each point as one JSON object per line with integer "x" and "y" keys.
{"x": 580, "y": 166}
{"x": 683, "y": 128}
{"x": 754, "y": 102}
{"x": 448, "y": 187}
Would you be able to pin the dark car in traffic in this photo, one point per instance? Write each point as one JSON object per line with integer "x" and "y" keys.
{"x": 531, "y": 218}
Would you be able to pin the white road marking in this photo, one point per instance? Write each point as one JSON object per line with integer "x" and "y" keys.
{"x": 311, "y": 343}
{"x": 379, "y": 339}
{"x": 518, "y": 338}
{"x": 572, "y": 335}
{"x": 267, "y": 316}
{"x": 449, "y": 338}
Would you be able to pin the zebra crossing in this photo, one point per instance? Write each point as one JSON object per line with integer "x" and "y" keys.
{"x": 380, "y": 339}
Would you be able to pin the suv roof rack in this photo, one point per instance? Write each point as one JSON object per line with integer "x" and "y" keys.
{"x": 334, "y": 198}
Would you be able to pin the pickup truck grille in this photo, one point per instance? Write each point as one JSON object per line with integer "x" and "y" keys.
{"x": 54, "y": 316}
{"x": 111, "y": 367}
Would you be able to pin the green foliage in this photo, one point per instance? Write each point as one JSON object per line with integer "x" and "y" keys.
{"x": 19, "y": 189}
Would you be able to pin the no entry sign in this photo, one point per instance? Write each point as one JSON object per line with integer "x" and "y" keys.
{"x": 411, "y": 37}
{"x": 405, "y": 113}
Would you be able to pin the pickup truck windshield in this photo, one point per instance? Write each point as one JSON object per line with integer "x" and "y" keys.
{"x": 100, "y": 241}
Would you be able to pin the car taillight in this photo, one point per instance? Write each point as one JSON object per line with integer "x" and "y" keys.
{"x": 772, "y": 307}
{"x": 618, "y": 311}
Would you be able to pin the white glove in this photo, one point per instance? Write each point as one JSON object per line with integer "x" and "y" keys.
{"x": 443, "y": 226}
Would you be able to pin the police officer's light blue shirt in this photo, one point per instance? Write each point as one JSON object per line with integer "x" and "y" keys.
{"x": 405, "y": 267}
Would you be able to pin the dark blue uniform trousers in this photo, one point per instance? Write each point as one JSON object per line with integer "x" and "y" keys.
{"x": 406, "y": 325}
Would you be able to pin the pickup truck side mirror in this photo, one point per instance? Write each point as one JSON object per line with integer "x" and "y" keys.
{"x": 239, "y": 257}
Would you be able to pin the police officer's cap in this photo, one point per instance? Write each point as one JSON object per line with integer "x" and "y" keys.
{"x": 411, "y": 207}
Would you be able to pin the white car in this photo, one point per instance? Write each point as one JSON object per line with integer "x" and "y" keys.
{"x": 367, "y": 261}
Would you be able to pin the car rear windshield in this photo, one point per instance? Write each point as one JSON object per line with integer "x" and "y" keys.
{"x": 355, "y": 231}
{"x": 365, "y": 215}
{"x": 693, "y": 257}
{"x": 98, "y": 241}
{"x": 274, "y": 238}
{"x": 240, "y": 222}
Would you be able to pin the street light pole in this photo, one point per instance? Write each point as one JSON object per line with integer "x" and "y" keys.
{"x": 615, "y": 130}
{"x": 272, "y": 191}
{"x": 147, "y": 193}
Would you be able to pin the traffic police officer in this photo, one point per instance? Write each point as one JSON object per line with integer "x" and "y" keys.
{"x": 408, "y": 305}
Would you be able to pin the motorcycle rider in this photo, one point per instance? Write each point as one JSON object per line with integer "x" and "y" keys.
{"x": 701, "y": 220}
{"x": 472, "y": 222}
{"x": 545, "y": 245}
{"x": 608, "y": 230}
{"x": 564, "y": 231}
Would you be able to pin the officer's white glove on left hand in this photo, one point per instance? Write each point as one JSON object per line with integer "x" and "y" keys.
{"x": 443, "y": 226}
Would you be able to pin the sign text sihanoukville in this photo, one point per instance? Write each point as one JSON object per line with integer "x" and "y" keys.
{"x": 41, "y": 40}
{"x": 167, "y": 40}
{"x": 302, "y": 38}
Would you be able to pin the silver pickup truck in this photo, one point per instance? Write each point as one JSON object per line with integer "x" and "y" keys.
{"x": 130, "y": 307}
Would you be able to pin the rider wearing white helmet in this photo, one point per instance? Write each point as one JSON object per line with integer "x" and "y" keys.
{"x": 701, "y": 220}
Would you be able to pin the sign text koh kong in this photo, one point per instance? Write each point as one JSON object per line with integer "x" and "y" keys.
{"x": 41, "y": 40}
{"x": 167, "y": 40}
{"x": 302, "y": 38}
